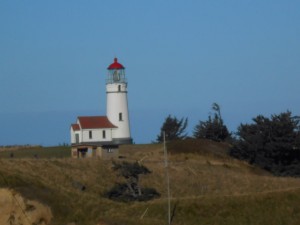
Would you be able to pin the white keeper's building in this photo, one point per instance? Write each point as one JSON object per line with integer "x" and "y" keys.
{"x": 101, "y": 135}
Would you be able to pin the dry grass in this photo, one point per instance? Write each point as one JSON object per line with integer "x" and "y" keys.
{"x": 207, "y": 187}
{"x": 22, "y": 152}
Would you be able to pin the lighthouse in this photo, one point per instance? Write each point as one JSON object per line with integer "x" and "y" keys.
{"x": 100, "y": 136}
{"x": 117, "y": 103}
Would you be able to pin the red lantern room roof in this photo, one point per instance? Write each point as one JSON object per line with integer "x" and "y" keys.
{"x": 115, "y": 65}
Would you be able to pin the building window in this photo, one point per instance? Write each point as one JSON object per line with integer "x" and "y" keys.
{"x": 109, "y": 150}
{"x": 103, "y": 134}
{"x": 119, "y": 88}
{"x": 90, "y": 134}
{"x": 120, "y": 117}
{"x": 76, "y": 138}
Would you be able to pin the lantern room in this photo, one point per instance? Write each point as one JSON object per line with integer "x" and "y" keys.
{"x": 116, "y": 73}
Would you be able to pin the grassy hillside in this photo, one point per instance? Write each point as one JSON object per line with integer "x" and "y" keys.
{"x": 36, "y": 152}
{"x": 207, "y": 187}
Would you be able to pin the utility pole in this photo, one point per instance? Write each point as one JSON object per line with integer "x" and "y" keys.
{"x": 167, "y": 179}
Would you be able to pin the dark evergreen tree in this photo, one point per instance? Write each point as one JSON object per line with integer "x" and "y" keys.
{"x": 174, "y": 129}
{"x": 273, "y": 143}
{"x": 213, "y": 128}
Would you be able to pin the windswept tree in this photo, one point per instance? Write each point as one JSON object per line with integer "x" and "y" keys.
{"x": 175, "y": 129}
{"x": 131, "y": 190}
{"x": 213, "y": 128}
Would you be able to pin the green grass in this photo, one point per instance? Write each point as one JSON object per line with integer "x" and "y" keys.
{"x": 246, "y": 210}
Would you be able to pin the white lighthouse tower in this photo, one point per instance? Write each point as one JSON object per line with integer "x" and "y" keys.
{"x": 117, "y": 104}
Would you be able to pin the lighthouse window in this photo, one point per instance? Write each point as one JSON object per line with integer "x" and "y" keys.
{"x": 90, "y": 134}
{"x": 119, "y": 88}
{"x": 120, "y": 117}
{"x": 103, "y": 134}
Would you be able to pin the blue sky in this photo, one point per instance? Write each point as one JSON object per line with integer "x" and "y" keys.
{"x": 180, "y": 57}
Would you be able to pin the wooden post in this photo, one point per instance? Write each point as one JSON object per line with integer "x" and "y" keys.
{"x": 167, "y": 179}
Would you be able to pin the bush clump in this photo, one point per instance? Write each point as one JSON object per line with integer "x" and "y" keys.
{"x": 120, "y": 192}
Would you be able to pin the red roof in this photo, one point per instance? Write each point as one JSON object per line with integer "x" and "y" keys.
{"x": 75, "y": 127}
{"x": 115, "y": 65}
{"x": 94, "y": 122}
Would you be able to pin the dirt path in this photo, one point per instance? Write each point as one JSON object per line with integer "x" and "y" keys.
{"x": 238, "y": 195}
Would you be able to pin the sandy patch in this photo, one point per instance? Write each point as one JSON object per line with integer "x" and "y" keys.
{"x": 16, "y": 210}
